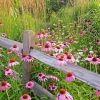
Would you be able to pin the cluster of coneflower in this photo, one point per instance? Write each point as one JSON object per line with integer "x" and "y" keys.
{"x": 9, "y": 72}
{"x": 55, "y": 50}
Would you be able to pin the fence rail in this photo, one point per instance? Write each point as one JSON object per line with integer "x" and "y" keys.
{"x": 82, "y": 74}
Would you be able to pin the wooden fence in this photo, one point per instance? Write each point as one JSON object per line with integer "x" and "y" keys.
{"x": 84, "y": 75}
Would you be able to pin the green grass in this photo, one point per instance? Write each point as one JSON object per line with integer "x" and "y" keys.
{"x": 78, "y": 89}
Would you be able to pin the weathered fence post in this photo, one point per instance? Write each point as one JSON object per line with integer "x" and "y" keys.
{"x": 28, "y": 36}
{"x": 28, "y": 41}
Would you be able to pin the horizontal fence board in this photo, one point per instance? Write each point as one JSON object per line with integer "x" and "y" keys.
{"x": 6, "y": 43}
{"x": 82, "y": 74}
{"x": 42, "y": 92}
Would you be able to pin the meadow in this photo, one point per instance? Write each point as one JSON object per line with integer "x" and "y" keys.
{"x": 62, "y": 28}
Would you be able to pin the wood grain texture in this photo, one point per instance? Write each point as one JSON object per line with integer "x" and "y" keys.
{"x": 82, "y": 74}
{"x": 28, "y": 37}
{"x": 26, "y": 49}
{"x": 6, "y": 43}
{"x": 41, "y": 92}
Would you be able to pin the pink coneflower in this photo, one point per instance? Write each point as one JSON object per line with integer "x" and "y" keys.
{"x": 12, "y": 62}
{"x": 70, "y": 77}
{"x": 42, "y": 77}
{"x": 29, "y": 59}
{"x": 88, "y": 22}
{"x": 52, "y": 55}
{"x": 70, "y": 58}
{"x": 52, "y": 86}
{"x": 98, "y": 93}
{"x": 42, "y": 35}
{"x": 71, "y": 40}
{"x": 65, "y": 44}
{"x": 4, "y": 86}
{"x": 98, "y": 42}
{"x": 51, "y": 43}
{"x": 48, "y": 42}
{"x": 47, "y": 48}
{"x": 29, "y": 85}
{"x": 61, "y": 45}
{"x": 66, "y": 53}
{"x": 82, "y": 33}
{"x": 53, "y": 78}
{"x": 95, "y": 60}
{"x": 58, "y": 49}
{"x": 25, "y": 97}
{"x": 24, "y": 57}
{"x": 45, "y": 35}
{"x": 61, "y": 61}
{"x": 8, "y": 72}
{"x": 64, "y": 95}
{"x": 89, "y": 58}
{"x": 85, "y": 49}
{"x": 14, "y": 48}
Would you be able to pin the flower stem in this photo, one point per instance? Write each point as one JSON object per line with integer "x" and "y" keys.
{"x": 42, "y": 84}
{"x": 90, "y": 67}
{"x": 7, "y": 95}
{"x": 96, "y": 69}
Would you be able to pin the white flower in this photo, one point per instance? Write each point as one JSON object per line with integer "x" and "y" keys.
{"x": 80, "y": 53}
{"x": 91, "y": 52}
